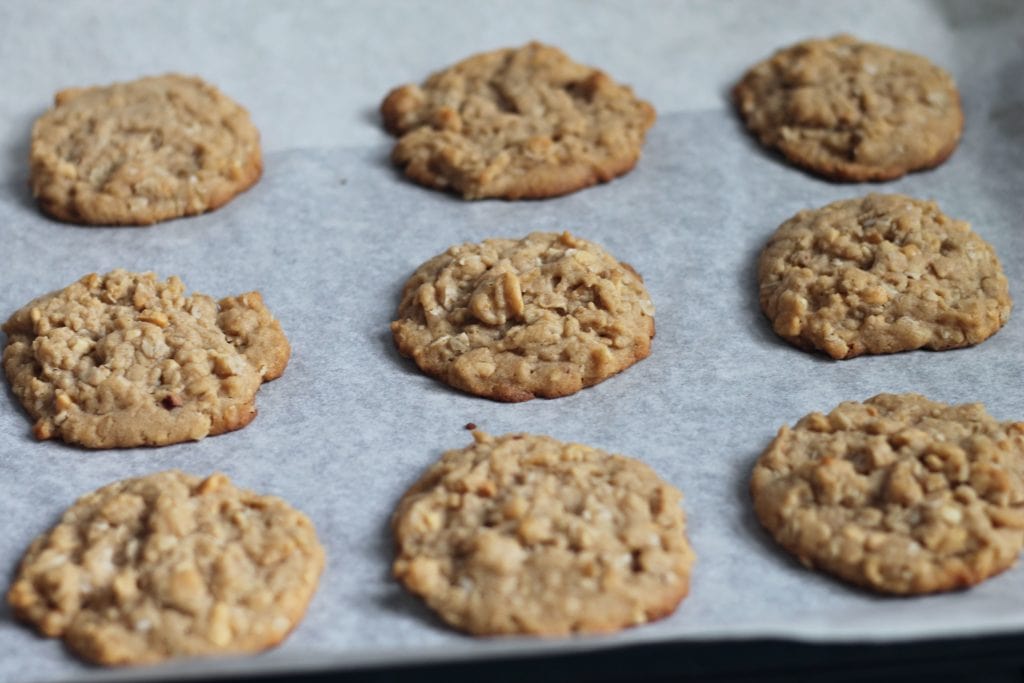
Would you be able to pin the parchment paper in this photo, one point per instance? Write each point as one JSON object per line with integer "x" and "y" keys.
{"x": 330, "y": 235}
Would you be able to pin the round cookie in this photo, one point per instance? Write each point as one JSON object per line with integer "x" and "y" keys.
{"x": 545, "y": 315}
{"x": 881, "y": 274}
{"x": 898, "y": 494}
{"x": 169, "y": 565}
{"x": 525, "y": 534}
{"x": 522, "y": 123}
{"x": 143, "y": 151}
{"x": 123, "y": 359}
{"x": 852, "y": 111}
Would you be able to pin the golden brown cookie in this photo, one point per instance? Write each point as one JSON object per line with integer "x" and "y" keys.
{"x": 545, "y": 315}
{"x": 850, "y": 110}
{"x": 526, "y": 534}
{"x": 881, "y": 274}
{"x": 140, "y": 152}
{"x": 169, "y": 565}
{"x": 898, "y": 494}
{"x": 123, "y": 359}
{"x": 522, "y": 123}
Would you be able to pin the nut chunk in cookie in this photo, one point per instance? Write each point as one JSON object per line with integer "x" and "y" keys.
{"x": 123, "y": 359}
{"x": 898, "y": 494}
{"x": 881, "y": 274}
{"x": 523, "y": 123}
{"x": 545, "y": 316}
{"x": 523, "y": 534}
{"x": 170, "y": 565}
{"x": 140, "y": 152}
{"x": 850, "y": 110}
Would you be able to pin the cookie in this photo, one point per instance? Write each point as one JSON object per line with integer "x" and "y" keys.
{"x": 522, "y": 123}
{"x": 169, "y": 565}
{"x": 898, "y": 494}
{"x": 850, "y": 110}
{"x": 545, "y": 315}
{"x": 525, "y": 534}
{"x": 123, "y": 359}
{"x": 140, "y": 152}
{"x": 881, "y": 274}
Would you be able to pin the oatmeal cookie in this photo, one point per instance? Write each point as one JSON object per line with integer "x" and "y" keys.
{"x": 852, "y": 111}
{"x": 545, "y": 315}
{"x": 521, "y": 123}
{"x": 881, "y": 274}
{"x": 140, "y": 152}
{"x": 526, "y": 534}
{"x": 898, "y": 494}
{"x": 169, "y": 565}
{"x": 123, "y": 359}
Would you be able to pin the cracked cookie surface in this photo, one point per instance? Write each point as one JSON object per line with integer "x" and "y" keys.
{"x": 898, "y": 494}
{"x": 850, "y": 110}
{"x": 169, "y": 565}
{"x": 526, "y": 534}
{"x": 125, "y": 359}
{"x": 545, "y": 316}
{"x": 881, "y": 274}
{"x": 144, "y": 151}
{"x": 523, "y": 123}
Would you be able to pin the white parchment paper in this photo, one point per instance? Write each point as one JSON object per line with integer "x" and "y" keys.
{"x": 329, "y": 236}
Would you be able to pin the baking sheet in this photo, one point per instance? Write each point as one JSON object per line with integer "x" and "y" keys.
{"x": 329, "y": 236}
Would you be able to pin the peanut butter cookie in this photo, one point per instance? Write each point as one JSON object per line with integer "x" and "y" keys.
{"x": 850, "y": 110}
{"x": 169, "y": 565}
{"x": 545, "y": 315}
{"x": 522, "y": 123}
{"x": 140, "y": 152}
{"x": 881, "y": 274}
{"x": 124, "y": 359}
{"x": 898, "y": 494}
{"x": 526, "y": 534}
